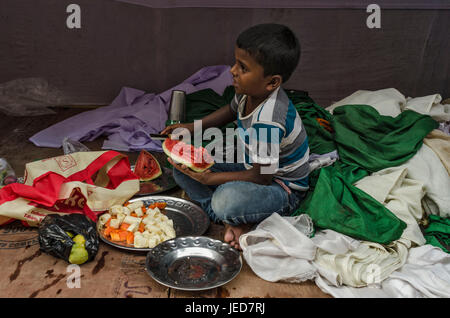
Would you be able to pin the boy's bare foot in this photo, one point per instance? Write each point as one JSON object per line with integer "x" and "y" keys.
{"x": 233, "y": 233}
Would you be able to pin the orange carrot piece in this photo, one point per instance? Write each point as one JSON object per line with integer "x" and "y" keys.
{"x": 124, "y": 226}
{"x": 107, "y": 231}
{"x": 126, "y": 203}
{"x": 130, "y": 238}
{"x": 152, "y": 206}
{"x": 115, "y": 236}
{"x": 123, "y": 235}
{"x": 141, "y": 227}
{"x": 133, "y": 214}
{"x": 144, "y": 209}
{"x": 161, "y": 205}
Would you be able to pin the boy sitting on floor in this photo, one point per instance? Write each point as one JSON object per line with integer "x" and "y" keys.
{"x": 243, "y": 194}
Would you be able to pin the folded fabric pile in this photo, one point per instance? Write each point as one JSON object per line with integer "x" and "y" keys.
{"x": 372, "y": 206}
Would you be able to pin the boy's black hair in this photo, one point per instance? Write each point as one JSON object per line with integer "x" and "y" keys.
{"x": 274, "y": 46}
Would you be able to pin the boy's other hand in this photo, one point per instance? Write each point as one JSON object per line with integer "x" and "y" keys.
{"x": 201, "y": 177}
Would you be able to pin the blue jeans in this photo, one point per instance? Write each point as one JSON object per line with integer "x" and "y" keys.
{"x": 239, "y": 202}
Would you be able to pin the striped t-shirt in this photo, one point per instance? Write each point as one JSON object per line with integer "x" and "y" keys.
{"x": 274, "y": 134}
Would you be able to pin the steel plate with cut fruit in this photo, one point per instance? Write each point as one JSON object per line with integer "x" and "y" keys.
{"x": 136, "y": 225}
{"x": 197, "y": 159}
{"x": 153, "y": 178}
{"x": 143, "y": 223}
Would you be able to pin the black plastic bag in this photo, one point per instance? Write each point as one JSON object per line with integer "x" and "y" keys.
{"x": 54, "y": 240}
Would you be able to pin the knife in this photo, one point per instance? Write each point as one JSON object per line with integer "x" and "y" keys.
{"x": 159, "y": 136}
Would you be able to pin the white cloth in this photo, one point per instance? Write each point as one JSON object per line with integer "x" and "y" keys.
{"x": 429, "y": 105}
{"x": 368, "y": 264}
{"x": 439, "y": 142}
{"x": 426, "y": 273}
{"x": 355, "y": 263}
{"x": 388, "y": 101}
{"x": 279, "y": 249}
{"x": 333, "y": 243}
{"x": 317, "y": 161}
{"x": 427, "y": 168}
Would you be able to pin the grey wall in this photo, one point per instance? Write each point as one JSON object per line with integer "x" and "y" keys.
{"x": 121, "y": 44}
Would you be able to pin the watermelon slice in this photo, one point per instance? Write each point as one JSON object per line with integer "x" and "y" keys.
{"x": 198, "y": 159}
{"x": 147, "y": 167}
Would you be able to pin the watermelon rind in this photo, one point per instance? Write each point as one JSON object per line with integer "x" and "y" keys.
{"x": 182, "y": 161}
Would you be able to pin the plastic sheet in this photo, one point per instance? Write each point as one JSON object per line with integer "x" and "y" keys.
{"x": 28, "y": 97}
{"x": 54, "y": 239}
{"x": 70, "y": 146}
{"x": 7, "y": 174}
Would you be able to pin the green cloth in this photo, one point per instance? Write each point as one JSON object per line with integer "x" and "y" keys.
{"x": 374, "y": 142}
{"x": 338, "y": 205}
{"x": 320, "y": 140}
{"x": 297, "y": 96}
{"x": 204, "y": 102}
{"x": 366, "y": 141}
{"x": 437, "y": 233}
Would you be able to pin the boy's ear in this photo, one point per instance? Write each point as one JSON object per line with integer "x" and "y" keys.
{"x": 274, "y": 82}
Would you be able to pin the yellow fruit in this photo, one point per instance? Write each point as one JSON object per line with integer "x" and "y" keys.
{"x": 79, "y": 239}
{"x": 78, "y": 254}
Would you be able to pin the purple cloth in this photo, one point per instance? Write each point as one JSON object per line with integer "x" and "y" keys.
{"x": 132, "y": 115}
{"x": 445, "y": 127}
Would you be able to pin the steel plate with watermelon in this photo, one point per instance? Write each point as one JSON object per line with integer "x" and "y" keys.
{"x": 197, "y": 159}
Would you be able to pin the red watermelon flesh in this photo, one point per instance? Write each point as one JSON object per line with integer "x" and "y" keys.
{"x": 147, "y": 167}
{"x": 198, "y": 159}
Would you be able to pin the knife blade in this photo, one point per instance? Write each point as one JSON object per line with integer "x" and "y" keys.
{"x": 159, "y": 136}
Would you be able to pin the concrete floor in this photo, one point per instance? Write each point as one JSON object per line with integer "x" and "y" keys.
{"x": 28, "y": 272}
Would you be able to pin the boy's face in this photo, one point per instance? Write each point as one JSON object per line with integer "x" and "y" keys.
{"x": 248, "y": 76}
